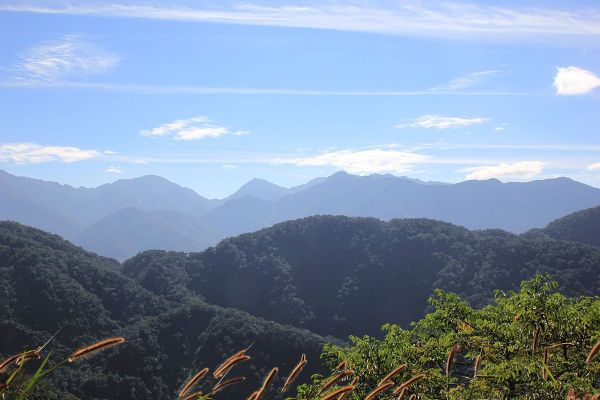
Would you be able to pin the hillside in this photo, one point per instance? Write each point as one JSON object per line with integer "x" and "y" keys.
{"x": 47, "y": 283}
{"x": 582, "y": 226}
{"x": 339, "y": 275}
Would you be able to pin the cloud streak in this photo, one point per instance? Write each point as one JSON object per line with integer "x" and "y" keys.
{"x": 195, "y": 128}
{"x": 430, "y": 19}
{"x": 31, "y": 153}
{"x": 518, "y": 170}
{"x": 360, "y": 162}
{"x": 468, "y": 81}
{"x": 441, "y": 122}
{"x": 71, "y": 56}
{"x": 571, "y": 81}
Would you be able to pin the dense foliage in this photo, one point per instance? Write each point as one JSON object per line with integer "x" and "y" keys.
{"x": 340, "y": 276}
{"x": 582, "y": 226}
{"x": 47, "y": 284}
{"x": 530, "y": 344}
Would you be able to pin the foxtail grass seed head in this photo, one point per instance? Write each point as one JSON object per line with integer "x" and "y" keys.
{"x": 336, "y": 393}
{"x": 10, "y": 360}
{"x": 409, "y": 382}
{"x": 229, "y": 363}
{"x": 228, "y": 382}
{"x": 413, "y": 397}
{"x": 193, "y": 381}
{"x": 450, "y": 360}
{"x": 266, "y": 383}
{"x": 335, "y": 378}
{"x": 95, "y": 347}
{"x": 393, "y": 373}
{"x": 294, "y": 374}
{"x": 28, "y": 355}
{"x": 378, "y": 390}
{"x": 341, "y": 365}
{"x": 592, "y": 353}
{"x": 193, "y": 396}
{"x": 354, "y": 382}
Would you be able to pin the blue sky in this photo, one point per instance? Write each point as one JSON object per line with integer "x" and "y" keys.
{"x": 212, "y": 94}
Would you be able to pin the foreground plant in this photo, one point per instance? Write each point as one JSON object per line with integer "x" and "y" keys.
{"x": 531, "y": 344}
{"x": 20, "y": 383}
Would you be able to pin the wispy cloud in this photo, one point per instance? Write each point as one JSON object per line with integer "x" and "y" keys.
{"x": 441, "y": 122}
{"x": 70, "y": 57}
{"x": 468, "y": 81}
{"x": 437, "y": 19}
{"x": 113, "y": 170}
{"x": 594, "y": 167}
{"x": 207, "y": 90}
{"x": 574, "y": 81}
{"x": 518, "y": 170}
{"x": 360, "y": 162}
{"x": 31, "y": 153}
{"x": 195, "y": 128}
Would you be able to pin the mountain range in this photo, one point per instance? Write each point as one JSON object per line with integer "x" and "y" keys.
{"x": 123, "y": 218}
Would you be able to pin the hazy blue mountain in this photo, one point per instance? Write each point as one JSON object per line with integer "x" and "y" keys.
{"x": 515, "y": 207}
{"x": 128, "y": 231}
{"x": 67, "y": 210}
{"x": 244, "y": 214}
{"x": 71, "y": 212}
{"x": 260, "y": 189}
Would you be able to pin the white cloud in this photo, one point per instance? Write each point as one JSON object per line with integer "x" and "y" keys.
{"x": 195, "y": 128}
{"x": 360, "y": 162}
{"x": 469, "y": 80}
{"x": 440, "y": 122}
{"x": 518, "y": 170}
{"x": 594, "y": 167}
{"x": 419, "y": 18}
{"x": 31, "y": 153}
{"x": 71, "y": 56}
{"x": 113, "y": 170}
{"x": 574, "y": 81}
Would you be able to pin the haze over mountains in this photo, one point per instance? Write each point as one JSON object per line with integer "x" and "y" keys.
{"x": 122, "y": 218}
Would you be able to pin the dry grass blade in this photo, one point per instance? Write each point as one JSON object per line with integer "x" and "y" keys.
{"x": 338, "y": 392}
{"x": 477, "y": 366}
{"x": 335, "y": 378}
{"x": 393, "y": 373}
{"x": 592, "y": 353}
{"x": 220, "y": 386}
{"x": 378, "y": 390}
{"x": 94, "y": 347}
{"x": 192, "y": 381}
{"x": 409, "y": 382}
{"x": 450, "y": 360}
{"x": 545, "y": 366}
{"x": 536, "y": 339}
{"x": 294, "y": 374}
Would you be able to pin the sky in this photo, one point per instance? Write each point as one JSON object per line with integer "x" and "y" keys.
{"x": 210, "y": 94}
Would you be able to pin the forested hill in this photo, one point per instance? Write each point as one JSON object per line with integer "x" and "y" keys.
{"x": 341, "y": 275}
{"x": 582, "y": 226}
{"x": 46, "y": 284}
